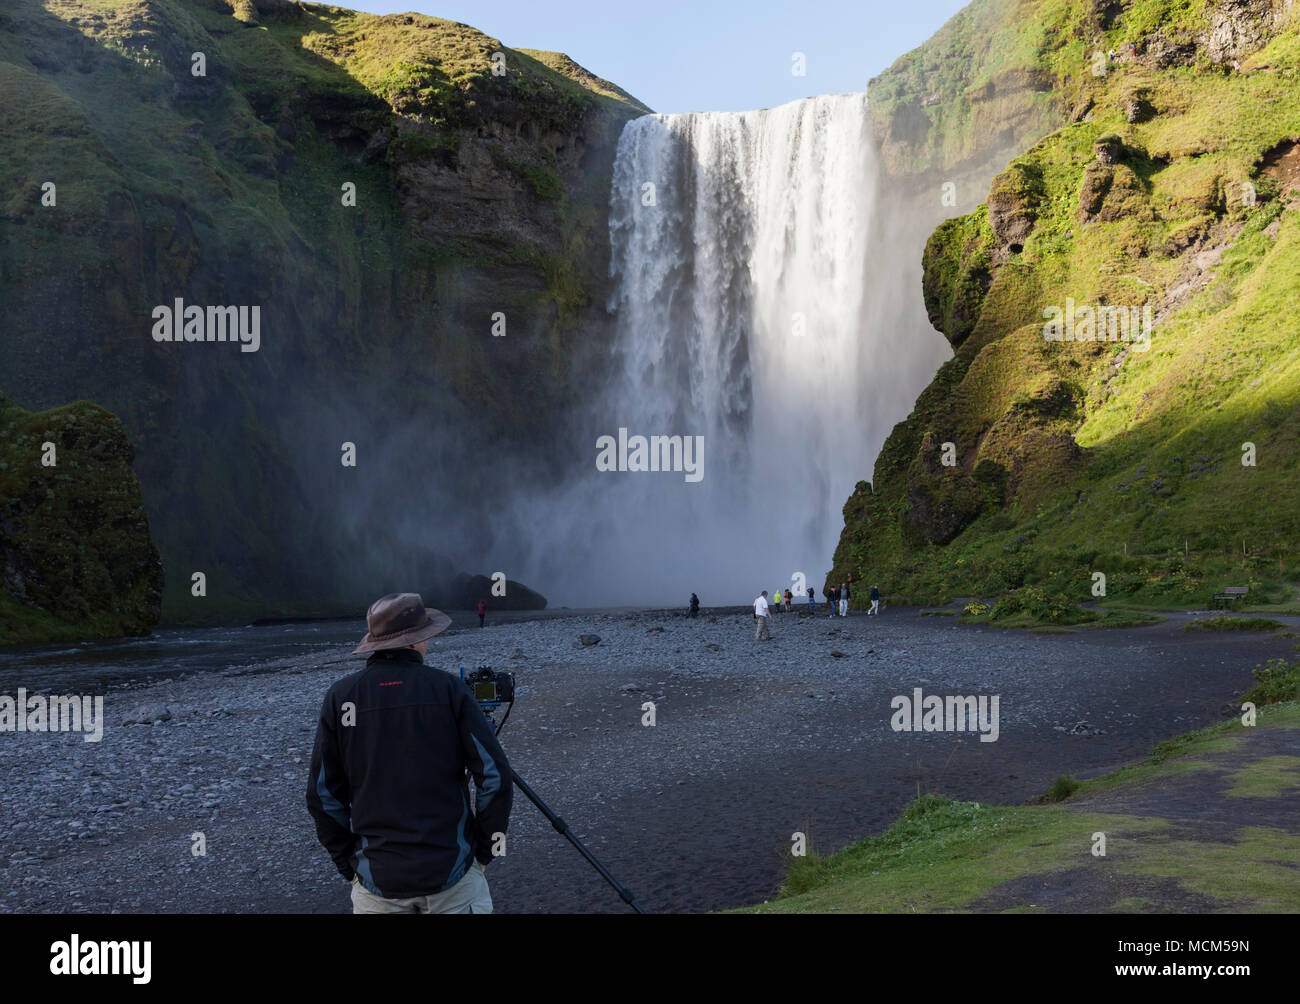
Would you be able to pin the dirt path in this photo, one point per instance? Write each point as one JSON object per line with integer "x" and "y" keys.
{"x": 1216, "y": 806}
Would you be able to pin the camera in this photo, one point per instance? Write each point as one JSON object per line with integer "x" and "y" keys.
{"x": 490, "y": 688}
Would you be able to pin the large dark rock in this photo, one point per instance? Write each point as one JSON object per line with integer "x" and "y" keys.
{"x": 1013, "y": 208}
{"x": 466, "y": 590}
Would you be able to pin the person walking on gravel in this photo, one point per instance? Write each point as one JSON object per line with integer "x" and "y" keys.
{"x": 388, "y": 787}
{"x": 482, "y": 612}
{"x": 844, "y": 599}
{"x": 875, "y": 600}
{"x": 832, "y": 600}
{"x": 763, "y": 617}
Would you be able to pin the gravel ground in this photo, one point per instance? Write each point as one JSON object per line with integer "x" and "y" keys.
{"x": 753, "y": 741}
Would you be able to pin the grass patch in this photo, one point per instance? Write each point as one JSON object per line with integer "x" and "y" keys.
{"x": 1062, "y": 788}
{"x": 1234, "y": 624}
{"x": 944, "y": 856}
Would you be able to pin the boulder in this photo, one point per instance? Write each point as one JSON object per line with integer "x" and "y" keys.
{"x": 465, "y": 591}
{"x": 1013, "y": 208}
{"x": 1108, "y": 148}
{"x": 148, "y": 714}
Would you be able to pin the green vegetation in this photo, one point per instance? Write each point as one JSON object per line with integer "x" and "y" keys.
{"x": 1031, "y": 607}
{"x": 481, "y": 178}
{"x": 1276, "y": 681}
{"x": 1086, "y": 458}
{"x": 74, "y": 540}
{"x": 1234, "y": 624}
{"x": 944, "y": 856}
{"x": 1062, "y": 788}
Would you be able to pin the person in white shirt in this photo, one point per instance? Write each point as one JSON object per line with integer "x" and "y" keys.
{"x": 762, "y": 617}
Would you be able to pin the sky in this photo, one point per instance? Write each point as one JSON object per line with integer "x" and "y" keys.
{"x": 705, "y": 55}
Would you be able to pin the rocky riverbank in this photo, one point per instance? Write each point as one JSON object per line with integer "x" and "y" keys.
{"x": 752, "y": 742}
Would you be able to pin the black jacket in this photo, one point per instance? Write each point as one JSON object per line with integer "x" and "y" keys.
{"x": 388, "y": 788}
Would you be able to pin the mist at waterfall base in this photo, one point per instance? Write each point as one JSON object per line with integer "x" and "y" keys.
{"x": 767, "y": 300}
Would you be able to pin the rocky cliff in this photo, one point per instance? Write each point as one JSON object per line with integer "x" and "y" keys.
{"x": 417, "y": 213}
{"x": 1126, "y": 375}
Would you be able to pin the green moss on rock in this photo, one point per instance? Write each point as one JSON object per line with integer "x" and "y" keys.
{"x": 1105, "y": 454}
{"x": 75, "y": 552}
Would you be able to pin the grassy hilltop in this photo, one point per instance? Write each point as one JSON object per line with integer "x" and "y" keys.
{"x": 481, "y": 177}
{"x": 1171, "y": 182}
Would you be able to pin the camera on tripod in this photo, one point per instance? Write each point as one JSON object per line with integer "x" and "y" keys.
{"x": 490, "y": 688}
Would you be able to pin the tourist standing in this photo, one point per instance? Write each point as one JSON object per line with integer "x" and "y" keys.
{"x": 390, "y": 792}
{"x": 695, "y": 605}
{"x": 844, "y": 599}
{"x": 832, "y": 600}
{"x": 763, "y": 618}
{"x": 812, "y": 603}
{"x": 482, "y": 612}
{"x": 875, "y": 600}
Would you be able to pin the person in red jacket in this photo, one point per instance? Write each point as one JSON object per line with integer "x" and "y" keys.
{"x": 482, "y": 609}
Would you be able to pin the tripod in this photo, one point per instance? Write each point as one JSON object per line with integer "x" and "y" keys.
{"x": 489, "y": 704}
{"x": 562, "y": 828}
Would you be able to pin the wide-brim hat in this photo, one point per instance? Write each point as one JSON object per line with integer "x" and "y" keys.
{"x": 398, "y": 620}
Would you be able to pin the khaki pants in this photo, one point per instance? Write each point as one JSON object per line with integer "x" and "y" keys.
{"x": 760, "y": 630}
{"x": 469, "y": 895}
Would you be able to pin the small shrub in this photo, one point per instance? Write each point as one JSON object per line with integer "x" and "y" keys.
{"x": 1234, "y": 624}
{"x": 1275, "y": 681}
{"x": 1062, "y": 788}
{"x": 1006, "y": 606}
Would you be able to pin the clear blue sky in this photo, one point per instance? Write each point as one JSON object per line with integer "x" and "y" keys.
{"x": 705, "y": 55}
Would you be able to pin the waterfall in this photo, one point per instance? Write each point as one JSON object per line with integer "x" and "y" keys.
{"x": 761, "y": 304}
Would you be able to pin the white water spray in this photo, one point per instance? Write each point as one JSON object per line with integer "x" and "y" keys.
{"x": 758, "y": 306}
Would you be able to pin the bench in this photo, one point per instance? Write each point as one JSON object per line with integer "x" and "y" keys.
{"x": 1229, "y": 594}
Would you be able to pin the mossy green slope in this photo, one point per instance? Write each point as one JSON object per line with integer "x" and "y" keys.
{"x": 1207, "y": 825}
{"x": 75, "y": 553}
{"x": 481, "y": 186}
{"x": 1178, "y": 190}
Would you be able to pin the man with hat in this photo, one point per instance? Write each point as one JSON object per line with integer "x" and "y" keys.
{"x": 388, "y": 786}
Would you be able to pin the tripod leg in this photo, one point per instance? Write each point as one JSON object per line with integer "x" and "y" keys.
{"x": 562, "y": 828}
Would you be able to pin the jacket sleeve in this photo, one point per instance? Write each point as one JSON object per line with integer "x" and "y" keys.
{"x": 329, "y": 798}
{"x": 491, "y": 770}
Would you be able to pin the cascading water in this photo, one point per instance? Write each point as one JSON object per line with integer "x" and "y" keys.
{"x": 761, "y": 305}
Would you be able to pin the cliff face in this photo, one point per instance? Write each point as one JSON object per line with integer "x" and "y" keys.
{"x": 76, "y": 558}
{"x": 1126, "y": 377}
{"x": 417, "y": 212}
